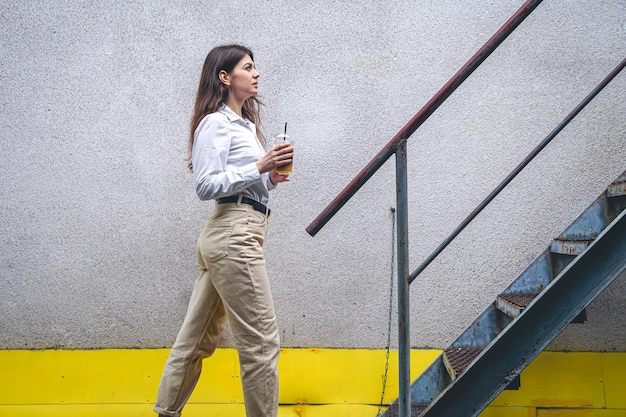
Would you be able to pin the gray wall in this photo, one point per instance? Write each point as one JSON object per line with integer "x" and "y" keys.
{"x": 98, "y": 213}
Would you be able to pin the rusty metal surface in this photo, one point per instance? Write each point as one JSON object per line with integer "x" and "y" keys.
{"x": 513, "y": 304}
{"x": 570, "y": 246}
{"x": 519, "y": 299}
{"x": 457, "y": 359}
{"x": 617, "y": 187}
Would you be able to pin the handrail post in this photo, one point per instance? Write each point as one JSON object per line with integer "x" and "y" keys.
{"x": 402, "y": 242}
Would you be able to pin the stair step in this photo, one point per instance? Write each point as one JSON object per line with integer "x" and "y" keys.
{"x": 617, "y": 187}
{"x": 570, "y": 246}
{"x": 457, "y": 359}
{"x": 586, "y": 228}
{"x": 513, "y": 304}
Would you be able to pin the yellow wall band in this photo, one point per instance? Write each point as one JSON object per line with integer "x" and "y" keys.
{"x": 313, "y": 383}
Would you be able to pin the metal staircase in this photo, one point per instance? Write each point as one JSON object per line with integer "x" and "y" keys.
{"x": 489, "y": 351}
{"x": 552, "y": 292}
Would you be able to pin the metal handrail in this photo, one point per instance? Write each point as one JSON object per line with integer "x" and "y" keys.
{"x": 429, "y": 108}
{"x": 518, "y": 169}
{"x": 397, "y": 146}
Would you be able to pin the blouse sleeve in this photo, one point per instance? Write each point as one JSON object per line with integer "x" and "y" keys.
{"x": 213, "y": 177}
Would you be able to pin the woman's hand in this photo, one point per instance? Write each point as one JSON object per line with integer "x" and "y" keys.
{"x": 279, "y": 155}
{"x": 277, "y": 177}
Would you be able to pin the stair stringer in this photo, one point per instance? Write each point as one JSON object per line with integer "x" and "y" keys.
{"x": 493, "y": 323}
{"x": 527, "y": 335}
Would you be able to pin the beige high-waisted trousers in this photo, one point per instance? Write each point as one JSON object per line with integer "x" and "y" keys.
{"x": 232, "y": 287}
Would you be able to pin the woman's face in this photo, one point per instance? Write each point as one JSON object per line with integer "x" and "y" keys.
{"x": 242, "y": 81}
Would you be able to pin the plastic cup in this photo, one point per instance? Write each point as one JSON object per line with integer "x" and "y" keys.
{"x": 284, "y": 138}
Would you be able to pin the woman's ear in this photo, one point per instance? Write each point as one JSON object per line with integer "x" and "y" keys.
{"x": 224, "y": 78}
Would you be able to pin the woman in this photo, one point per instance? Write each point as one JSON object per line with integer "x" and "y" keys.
{"x": 230, "y": 166}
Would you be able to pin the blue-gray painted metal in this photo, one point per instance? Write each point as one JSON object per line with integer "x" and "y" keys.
{"x": 486, "y": 328}
{"x": 430, "y": 384}
{"x": 579, "y": 235}
{"x": 404, "y": 328}
{"x": 618, "y": 187}
{"x": 590, "y": 223}
{"x": 483, "y": 330}
{"x": 511, "y": 351}
{"x": 535, "y": 278}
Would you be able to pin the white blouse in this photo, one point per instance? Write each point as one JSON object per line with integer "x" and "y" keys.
{"x": 224, "y": 155}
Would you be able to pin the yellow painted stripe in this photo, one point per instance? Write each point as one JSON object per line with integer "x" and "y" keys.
{"x": 556, "y": 379}
{"x": 492, "y": 411}
{"x": 614, "y": 379}
{"x": 336, "y": 376}
{"x": 313, "y": 383}
{"x": 581, "y": 413}
{"x": 237, "y": 410}
{"x": 78, "y": 376}
{"x": 191, "y": 410}
{"x": 312, "y": 376}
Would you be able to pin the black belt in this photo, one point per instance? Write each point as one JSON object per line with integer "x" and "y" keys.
{"x": 245, "y": 200}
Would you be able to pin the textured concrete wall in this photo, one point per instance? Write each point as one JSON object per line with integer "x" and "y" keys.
{"x": 98, "y": 214}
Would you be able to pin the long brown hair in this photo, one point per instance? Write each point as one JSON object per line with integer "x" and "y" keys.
{"x": 212, "y": 92}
